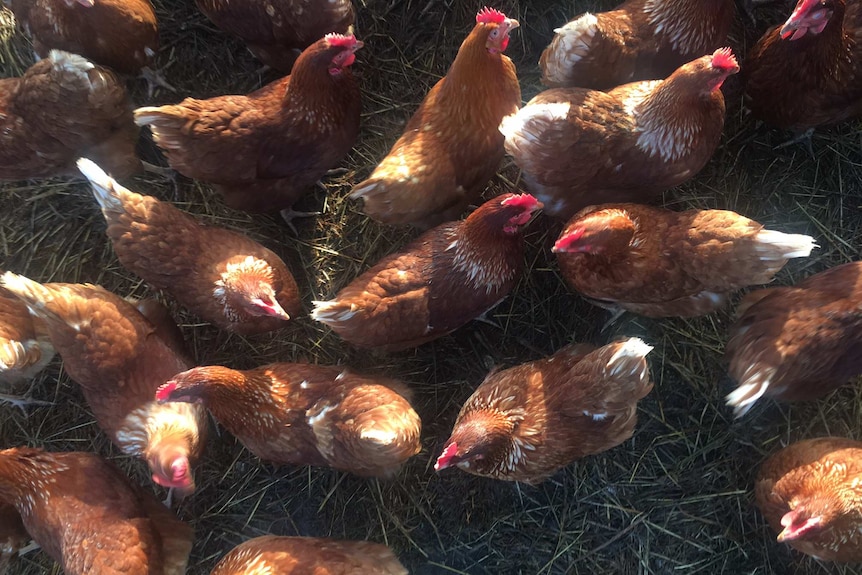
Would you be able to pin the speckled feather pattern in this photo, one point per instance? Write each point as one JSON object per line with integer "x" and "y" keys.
{"x": 638, "y": 40}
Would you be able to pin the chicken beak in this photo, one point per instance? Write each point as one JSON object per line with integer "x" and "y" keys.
{"x": 273, "y": 309}
{"x": 511, "y": 24}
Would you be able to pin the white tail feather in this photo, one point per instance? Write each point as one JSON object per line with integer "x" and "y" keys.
{"x": 69, "y": 62}
{"x": 629, "y": 357}
{"x": 773, "y": 245}
{"x": 105, "y": 187}
{"x": 32, "y": 293}
{"x": 330, "y": 312}
{"x": 750, "y": 390}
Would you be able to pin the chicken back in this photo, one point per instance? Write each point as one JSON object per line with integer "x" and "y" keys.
{"x": 262, "y": 151}
{"x": 808, "y": 72}
{"x": 306, "y": 414}
{"x": 115, "y": 354}
{"x": 638, "y": 40}
{"x": 526, "y": 422}
{"x": 88, "y": 517}
{"x": 579, "y": 147}
{"x": 306, "y": 555}
{"x": 443, "y": 279}
{"x": 810, "y": 493}
{"x": 276, "y": 31}
{"x": 799, "y": 342}
{"x": 451, "y": 146}
{"x": 62, "y": 107}
{"x": 226, "y": 278}
{"x": 660, "y": 263}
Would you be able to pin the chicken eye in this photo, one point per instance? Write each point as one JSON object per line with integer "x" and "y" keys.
{"x": 494, "y": 33}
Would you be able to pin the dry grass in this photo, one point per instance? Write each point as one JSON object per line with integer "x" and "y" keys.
{"x": 674, "y": 499}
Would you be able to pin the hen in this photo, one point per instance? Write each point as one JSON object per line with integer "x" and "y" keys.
{"x": 660, "y": 263}
{"x": 306, "y": 555}
{"x": 63, "y": 107}
{"x": 306, "y": 414}
{"x": 580, "y": 147}
{"x": 638, "y": 40}
{"x": 262, "y": 151}
{"x": 120, "y": 34}
{"x": 799, "y": 342}
{"x": 808, "y": 72}
{"x": 115, "y": 355}
{"x": 25, "y": 348}
{"x": 226, "y": 278}
{"x": 810, "y": 493}
{"x": 13, "y": 536}
{"x": 88, "y": 517}
{"x": 526, "y": 422}
{"x": 451, "y": 147}
{"x": 276, "y": 31}
{"x": 443, "y": 279}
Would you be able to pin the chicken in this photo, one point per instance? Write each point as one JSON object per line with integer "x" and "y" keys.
{"x": 808, "y": 72}
{"x": 638, "y": 40}
{"x": 580, "y": 147}
{"x": 120, "y": 34}
{"x": 226, "y": 278}
{"x": 810, "y": 493}
{"x": 660, "y": 263}
{"x": 451, "y": 147}
{"x": 13, "y": 536}
{"x": 62, "y": 107}
{"x": 307, "y": 555}
{"x": 526, "y": 422}
{"x": 115, "y": 355}
{"x": 306, "y": 414}
{"x": 437, "y": 283}
{"x": 84, "y": 512}
{"x": 276, "y": 31}
{"x": 797, "y": 343}
{"x": 262, "y": 151}
{"x": 25, "y": 348}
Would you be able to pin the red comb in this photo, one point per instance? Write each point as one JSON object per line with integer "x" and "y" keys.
{"x": 566, "y": 240}
{"x": 164, "y": 392}
{"x": 724, "y": 59}
{"x": 525, "y": 201}
{"x": 333, "y": 39}
{"x": 490, "y": 16}
{"x": 446, "y": 456}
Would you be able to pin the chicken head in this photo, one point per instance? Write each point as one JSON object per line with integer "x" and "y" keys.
{"x": 246, "y": 286}
{"x": 809, "y": 16}
{"x": 346, "y": 47}
{"x": 602, "y": 232}
{"x": 499, "y": 27}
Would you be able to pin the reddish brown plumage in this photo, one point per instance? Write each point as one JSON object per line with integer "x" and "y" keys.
{"x": 25, "y": 347}
{"x": 307, "y": 555}
{"x": 63, "y": 107}
{"x": 276, "y": 31}
{"x": 660, "y": 263}
{"x": 799, "y": 342}
{"x": 115, "y": 355}
{"x": 451, "y": 147}
{"x": 307, "y": 414}
{"x": 637, "y": 40}
{"x": 811, "y": 495}
{"x": 446, "y": 277}
{"x": 811, "y": 81}
{"x": 226, "y": 278}
{"x": 88, "y": 517}
{"x": 120, "y": 34}
{"x": 581, "y": 147}
{"x": 264, "y": 150}
{"x": 526, "y": 422}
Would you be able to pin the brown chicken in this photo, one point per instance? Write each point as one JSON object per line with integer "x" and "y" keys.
{"x": 276, "y": 31}
{"x": 638, "y": 40}
{"x": 114, "y": 353}
{"x": 526, "y": 422}
{"x": 660, "y": 263}
{"x": 25, "y": 348}
{"x": 797, "y": 343}
{"x": 264, "y": 150}
{"x": 305, "y": 414}
{"x": 226, "y": 278}
{"x": 120, "y": 34}
{"x": 307, "y": 556}
{"x": 13, "y": 535}
{"x": 810, "y": 493}
{"x": 580, "y": 147}
{"x": 808, "y": 72}
{"x": 451, "y": 146}
{"x": 88, "y": 517}
{"x": 63, "y": 107}
{"x": 443, "y": 279}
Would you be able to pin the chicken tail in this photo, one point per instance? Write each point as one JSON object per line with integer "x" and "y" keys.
{"x": 773, "y": 246}
{"x": 332, "y": 312}
{"x": 626, "y": 381}
{"x": 752, "y": 385}
{"x": 570, "y": 45}
{"x": 629, "y": 362}
{"x": 34, "y": 295}
{"x": 165, "y": 123}
{"x": 68, "y": 63}
{"x": 105, "y": 188}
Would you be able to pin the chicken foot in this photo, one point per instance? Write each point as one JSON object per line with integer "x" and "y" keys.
{"x": 154, "y": 79}
{"x": 21, "y": 401}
